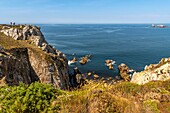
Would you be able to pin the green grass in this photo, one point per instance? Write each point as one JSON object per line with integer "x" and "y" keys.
{"x": 94, "y": 97}
{"x": 151, "y": 106}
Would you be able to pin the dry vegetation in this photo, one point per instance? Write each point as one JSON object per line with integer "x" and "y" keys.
{"x": 9, "y": 43}
{"x": 94, "y": 97}
{"x": 124, "y": 97}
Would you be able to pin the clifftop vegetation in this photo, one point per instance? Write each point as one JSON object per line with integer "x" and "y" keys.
{"x": 94, "y": 97}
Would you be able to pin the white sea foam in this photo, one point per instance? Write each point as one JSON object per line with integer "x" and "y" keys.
{"x": 111, "y": 31}
{"x": 70, "y": 62}
{"x": 112, "y": 63}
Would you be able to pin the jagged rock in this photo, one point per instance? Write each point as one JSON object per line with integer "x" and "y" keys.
{"x": 153, "y": 72}
{"x": 5, "y": 27}
{"x": 77, "y": 77}
{"x": 109, "y": 63}
{"x": 16, "y": 67}
{"x": 124, "y": 70}
{"x": 111, "y": 67}
{"x": 13, "y": 32}
{"x": 85, "y": 59}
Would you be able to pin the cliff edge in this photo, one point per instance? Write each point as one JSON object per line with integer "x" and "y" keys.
{"x": 25, "y": 56}
{"x": 153, "y": 72}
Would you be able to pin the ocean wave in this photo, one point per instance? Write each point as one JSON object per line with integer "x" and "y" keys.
{"x": 111, "y": 31}
{"x": 71, "y": 62}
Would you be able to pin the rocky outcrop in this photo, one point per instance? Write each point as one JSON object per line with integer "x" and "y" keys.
{"x": 38, "y": 61}
{"x": 32, "y": 33}
{"x": 15, "y": 67}
{"x": 153, "y": 72}
{"x": 124, "y": 71}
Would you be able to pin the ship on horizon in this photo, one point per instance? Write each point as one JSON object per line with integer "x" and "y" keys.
{"x": 159, "y": 26}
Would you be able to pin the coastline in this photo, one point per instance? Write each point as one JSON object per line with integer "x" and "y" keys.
{"x": 145, "y": 91}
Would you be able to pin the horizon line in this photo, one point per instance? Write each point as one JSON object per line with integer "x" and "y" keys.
{"x": 86, "y": 23}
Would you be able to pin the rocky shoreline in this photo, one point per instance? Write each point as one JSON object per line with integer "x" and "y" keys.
{"x": 23, "y": 64}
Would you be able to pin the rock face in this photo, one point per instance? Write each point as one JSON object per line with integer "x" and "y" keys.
{"x": 15, "y": 67}
{"x": 124, "y": 71}
{"x": 25, "y": 65}
{"x": 153, "y": 72}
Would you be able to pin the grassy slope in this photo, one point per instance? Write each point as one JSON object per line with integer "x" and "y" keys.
{"x": 9, "y": 43}
{"x": 126, "y": 97}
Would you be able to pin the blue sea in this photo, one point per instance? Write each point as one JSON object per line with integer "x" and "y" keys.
{"x": 136, "y": 45}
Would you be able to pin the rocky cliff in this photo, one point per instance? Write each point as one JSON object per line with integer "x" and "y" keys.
{"x": 153, "y": 72}
{"x": 25, "y": 56}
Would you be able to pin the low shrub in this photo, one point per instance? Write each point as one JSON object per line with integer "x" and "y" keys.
{"x": 34, "y": 98}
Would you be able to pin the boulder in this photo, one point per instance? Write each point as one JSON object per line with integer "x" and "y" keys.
{"x": 85, "y": 59}
{"x": 124, "y": 70}
{"x": 96, "y": 76}
{"x": 109, "y": 63}
{"x": 89, "y": 74}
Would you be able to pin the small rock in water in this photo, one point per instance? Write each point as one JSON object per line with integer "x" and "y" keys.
{"x": 117, "y": 77}
{"x": 89, "y": 74}
{"x": 109, "y": 63}
{"x": 85, "y": 59}
{"x": 111, "y": 67}
{"x": 74, "y": 60}
{"x": 110, "y": 78}
{"x": 96, "y": 76}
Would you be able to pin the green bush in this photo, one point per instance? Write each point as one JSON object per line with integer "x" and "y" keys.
{"x": 33, "y": 98}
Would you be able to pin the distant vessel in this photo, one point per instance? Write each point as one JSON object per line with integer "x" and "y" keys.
{"x": 159, "y": 26}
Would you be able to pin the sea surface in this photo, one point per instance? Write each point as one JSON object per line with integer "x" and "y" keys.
{"x": 136, "y": 45}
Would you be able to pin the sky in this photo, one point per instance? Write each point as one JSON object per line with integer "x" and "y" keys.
{"x": 85, "y": 11}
